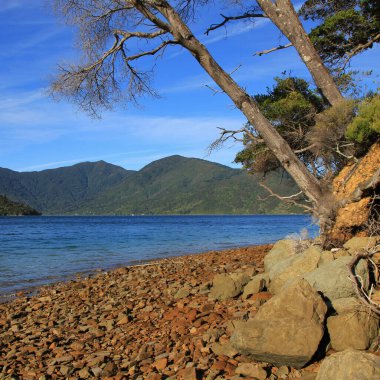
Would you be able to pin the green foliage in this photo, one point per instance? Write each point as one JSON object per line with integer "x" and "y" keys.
{"x": 174, "y": 185}
{"x": 10, "y": 208}
{"x": 345, "y": 29}
{"x": 365, "y": 128}
{"x": 291, "y": 106}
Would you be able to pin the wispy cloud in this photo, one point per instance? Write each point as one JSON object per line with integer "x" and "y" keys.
{"x": 10, "y": 4}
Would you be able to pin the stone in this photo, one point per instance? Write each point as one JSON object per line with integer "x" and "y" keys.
{"x": 255, "y": 285}
{"x": 227, "y": 286}
{"x": 286, "y": 330}
{"x": 354, "y": 327}
{"x": 345, "y": 305}
{"x": 251, "y": 370}
{"x": 308, "y": 376}
{"x": 360, "y": 243}
{"x": 282, "y": 372}
{"x": 160, "y": 364}
{"x": 281, "y": 250}
{"x": 212, "y": 335}
{"x": 292, "y": 267}
{"x": 224, "y": 349}
{"x": 187, "y": 374}
{"x": 84, "y": 374}
{"x": 332, "y": 279}
{"x": 326, "y": 257}
{"x": 182, "y": 293}
{"x": 350, "y": 365}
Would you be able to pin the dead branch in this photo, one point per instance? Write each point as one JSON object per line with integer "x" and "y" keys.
{"x": 359, "y": 286}
{"x": 224, "y": 136}
{"x": 260, "y": 53}
{"x": 227, "y": 19}
{"x": 358, "y": 49}
{"x": 214, "y": 90}
{"x": 287, "y": 199}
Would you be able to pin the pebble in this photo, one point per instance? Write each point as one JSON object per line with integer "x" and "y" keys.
{"x": 126, "y": 324}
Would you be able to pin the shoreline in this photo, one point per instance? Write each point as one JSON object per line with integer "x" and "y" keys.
{"x": 29, "y": 291}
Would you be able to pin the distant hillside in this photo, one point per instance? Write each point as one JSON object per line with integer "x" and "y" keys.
{"x": 60, "y": 191}
{"x": 10, "y": 208}
{"x": 172, "y": 185}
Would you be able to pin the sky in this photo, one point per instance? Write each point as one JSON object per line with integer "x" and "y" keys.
{"x": 37, "y": 132}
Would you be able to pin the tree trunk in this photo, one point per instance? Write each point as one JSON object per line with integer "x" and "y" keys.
{"x": 284, "y": 16}
{"x": 280, "y": 148}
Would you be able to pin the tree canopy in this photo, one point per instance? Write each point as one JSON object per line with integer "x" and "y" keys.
{"x": 345, "y": 28}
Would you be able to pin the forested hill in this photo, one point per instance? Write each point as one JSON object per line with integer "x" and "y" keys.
{"x": 9, "y": 208}
{"x": 172, "y": 185}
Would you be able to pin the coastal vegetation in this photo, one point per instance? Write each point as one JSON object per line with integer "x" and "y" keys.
{"x": 10, "y": 208}
{"x": 173, "y": 185}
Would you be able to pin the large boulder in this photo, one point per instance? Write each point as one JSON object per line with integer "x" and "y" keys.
{"x": 281, "y": 250}
{"x": 292, "y": 267}
{"x": 359, "y": 243}
{"x": 331, "y": 279}
{"x": 225, "y": 286}
{"x": 353, "y": 327}
{"x": 350, "y": 365}
{"x": 286, "y": 330}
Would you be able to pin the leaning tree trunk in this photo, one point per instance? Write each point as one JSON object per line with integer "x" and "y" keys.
{"x": 274, "y": 141}
{"x": 284, "y": 16}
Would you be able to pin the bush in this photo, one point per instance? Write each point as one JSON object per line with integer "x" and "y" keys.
{"x": 365, "y": 128}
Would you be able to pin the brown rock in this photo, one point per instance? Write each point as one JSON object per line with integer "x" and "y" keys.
{"x": 187, "y": 374}
{"x": 251, "y": 370}
{"x": 160, "y": 364}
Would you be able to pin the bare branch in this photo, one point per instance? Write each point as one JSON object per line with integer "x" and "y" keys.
{"x": 287, "y": 199}
{"x": 153, "y": 51}
{"x": 224, "y": 136}
{"x": 358, "y": 49}
{"x": 307, "y": 148}
{"x": 227, "y": 19}
{"x": 260, "y": 53}
{"x": 359, "y": 288}
{"x": 214, "y": 90}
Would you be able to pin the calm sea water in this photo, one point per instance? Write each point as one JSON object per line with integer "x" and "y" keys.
{"x": 40, "y": 250}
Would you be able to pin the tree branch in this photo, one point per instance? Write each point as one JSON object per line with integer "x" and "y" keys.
{"x": 359, "y": 49}
{"x": 287, "y": 199}
{"x": 227, "y": 19}
{"x": 359, "y": 286}
{"x": 260, "y": 53}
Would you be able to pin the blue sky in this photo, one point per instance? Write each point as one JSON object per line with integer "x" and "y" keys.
{"x": 38, "y": 133}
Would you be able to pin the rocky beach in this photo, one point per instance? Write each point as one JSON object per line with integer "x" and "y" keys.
{"x": 218, "y": 315}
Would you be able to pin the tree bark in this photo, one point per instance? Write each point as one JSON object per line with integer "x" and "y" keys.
{"x": 284, "y": 16}
{"x": 280, "y": 148}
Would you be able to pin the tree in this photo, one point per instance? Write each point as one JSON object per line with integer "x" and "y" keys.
{"x": 297, "y": 110}
{"x": 346, "y": 28}
{"x": 284, "y": 16}
{"x": 108, "y": 72}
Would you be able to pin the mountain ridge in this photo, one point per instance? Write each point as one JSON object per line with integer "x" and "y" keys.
{"x": 171, "y": 185}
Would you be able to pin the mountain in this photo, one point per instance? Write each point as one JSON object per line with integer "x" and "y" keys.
{"x": 60, "y": 191}
{"x": 8, "y": 207}
{"x": 172, "y": 185}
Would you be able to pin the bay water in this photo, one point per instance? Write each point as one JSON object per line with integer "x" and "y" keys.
{"x": 39, "y": 250}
